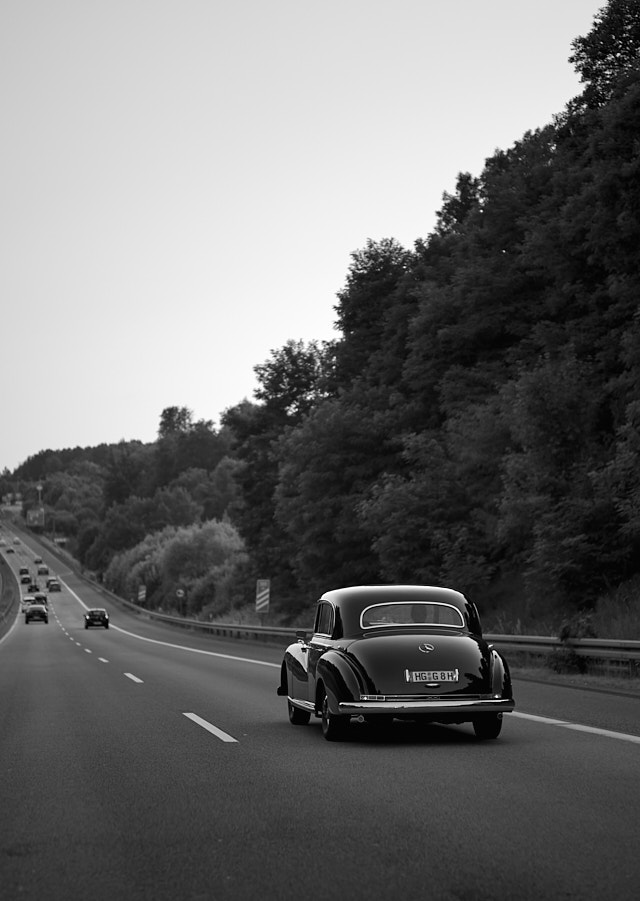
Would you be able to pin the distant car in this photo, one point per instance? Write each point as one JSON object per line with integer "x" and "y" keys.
{"x": 37, "y": 559}
{"x": 96, "y": 617}
{"x": 10, "y": 550}
{"x": 53, "y": 585}
{"x": 25, "y": 579}
{"x": 16, "y": 541}
{"x": 26, "y": 601}
{"x": 33, "y": 586}
{"x": 36, "y": 611}
{"x": 23, "y": 571}
{"x": 43, "y": 570}
{"x": 407, "y": 652}
{"x": 41, "y": 598}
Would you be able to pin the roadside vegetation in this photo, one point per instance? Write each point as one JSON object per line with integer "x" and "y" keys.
{"x": 475, "y": 423}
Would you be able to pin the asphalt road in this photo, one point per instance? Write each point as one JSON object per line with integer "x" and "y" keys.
{"x": 142, "y": 762}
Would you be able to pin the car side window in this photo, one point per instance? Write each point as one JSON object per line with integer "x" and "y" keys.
{"x": 324, "y": 619}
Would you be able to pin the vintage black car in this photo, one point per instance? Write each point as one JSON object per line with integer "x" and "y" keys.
{"x": 96, "y": 617}
{"x": 396, "y": 652}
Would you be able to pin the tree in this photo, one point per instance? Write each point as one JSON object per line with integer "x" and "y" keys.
{"x": 549, "y": 511}
{"x": 456, "y": 208}
{"x": 294, "y": 378}
{"x": 375, "y": 273}
{"x": 174, "y": 420}
{"x": 327, "y": 462}
{"x": 610, "y": 52}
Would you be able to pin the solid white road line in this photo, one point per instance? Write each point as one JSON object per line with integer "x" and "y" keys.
{"x": 223, "y": 736}
{"x": 593, "y": 730}
{"x": 132, "y": 677}
{"x": 180, "y": 647}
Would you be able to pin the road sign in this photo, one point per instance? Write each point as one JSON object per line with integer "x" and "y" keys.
{"x": 142, "y": 592}
{"x": 263, "y": 588}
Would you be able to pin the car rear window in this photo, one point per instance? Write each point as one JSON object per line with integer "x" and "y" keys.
{"x": 416, "y": 613}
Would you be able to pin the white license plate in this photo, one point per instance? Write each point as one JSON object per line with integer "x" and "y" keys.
{"x": 448, "y": 675}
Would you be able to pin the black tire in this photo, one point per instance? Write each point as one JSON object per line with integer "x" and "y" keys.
{"x": 488, "y": 726}
{"x": 86, "y": 626}
{"x": 334, "y": 727}
{"x": 106, "y": 625}
{"x": 298, "y": 717}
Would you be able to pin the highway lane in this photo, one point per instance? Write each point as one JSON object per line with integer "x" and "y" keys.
{"x": 109, "y": 789}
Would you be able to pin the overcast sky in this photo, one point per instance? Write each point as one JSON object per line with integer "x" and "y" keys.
{"x": 183, "y": 181}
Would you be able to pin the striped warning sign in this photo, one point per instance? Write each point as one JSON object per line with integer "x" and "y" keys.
{"x": 263, "y": 588}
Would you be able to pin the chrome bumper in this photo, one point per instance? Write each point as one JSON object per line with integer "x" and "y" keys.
{"x": 484, "y": 705}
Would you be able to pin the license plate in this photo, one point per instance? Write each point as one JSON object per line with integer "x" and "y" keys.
{"x": 448, "y": 675}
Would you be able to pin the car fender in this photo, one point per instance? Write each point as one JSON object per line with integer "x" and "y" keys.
{"x": 341, "y": 679}
{"x": 500, "y": 675}
{"x": 294, "y": 672}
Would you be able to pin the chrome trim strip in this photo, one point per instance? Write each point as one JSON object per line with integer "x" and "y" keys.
{"x": 355, "y": 707}
{"x": 303, "y": 705}
{"x": 404, "y": 602}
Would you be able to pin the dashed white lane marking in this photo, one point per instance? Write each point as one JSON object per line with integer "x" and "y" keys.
{"x": 593, "y": 730}
{"x": 103, "y": 659}
{"x": 223, "y": 736}
{"x": 132, "y": 677}
{"x": 87, "y": 651}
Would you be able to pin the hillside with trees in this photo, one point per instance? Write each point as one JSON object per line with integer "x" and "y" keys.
{"x": 476, "y": 423}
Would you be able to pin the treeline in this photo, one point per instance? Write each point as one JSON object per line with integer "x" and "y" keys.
{"x": 476, "y": 423}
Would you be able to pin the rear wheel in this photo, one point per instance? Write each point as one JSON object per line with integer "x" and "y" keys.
{"x": 334, "y": 726}
{"x": 296, "y": 716}
{"x": 488, "y": 726}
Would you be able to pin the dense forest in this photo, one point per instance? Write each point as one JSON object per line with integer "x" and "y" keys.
{"x": 476, "y": 424}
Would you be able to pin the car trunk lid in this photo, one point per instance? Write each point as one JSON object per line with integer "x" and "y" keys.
{"x": 447, "y": 662}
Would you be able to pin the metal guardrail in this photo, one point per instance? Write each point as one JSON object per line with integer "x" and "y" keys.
{"x": 605, "y": 649}
{"x": 597, "y": 648}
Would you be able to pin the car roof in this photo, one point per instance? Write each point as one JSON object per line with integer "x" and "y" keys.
{"x": 96, "y": 610}
{"x": 350, "y": 602}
